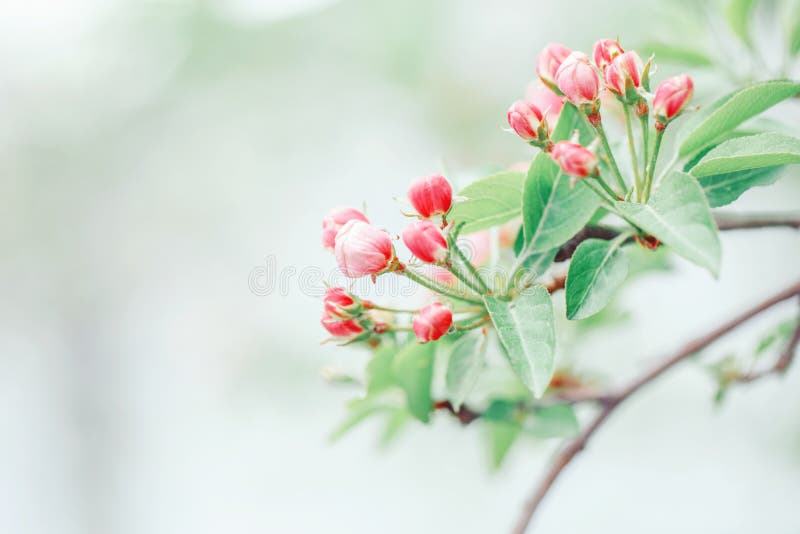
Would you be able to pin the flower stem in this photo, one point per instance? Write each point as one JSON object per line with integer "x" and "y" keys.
{"x": 597, "y": 124}
{"x": 484, "y": 287}
{"x": 602, "y": 189}
{"x": 467, "y": 309}
{"x": 652, "y": 166}
{"x": 645, "y": 121}
{"x": 437, "y": 287}
{"x": 632, "y": 147}
{"x": 464, "y": 278}
{"x": 481, "y": 320}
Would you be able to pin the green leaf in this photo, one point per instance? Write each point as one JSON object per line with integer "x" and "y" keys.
{"x": 379, "y": 372}
{"x": 597, "y": 269}
{"x": 413, "y": 371}
{"x": 732, "y": 110}
{"x": 357, "y": 411}
{"x": 676, "y": 54}
{"x": 751, "y": 152}
{"x": 552, "y": 211}
{"x": 678, "y": 215}
{"x": 526, "y": 330}
{"x": 722, "y": 189}
{"x": 557, "y": 421}
{"x": 738, "y": 14}
{"x": 794, "y": 31}
{"x": 502, "y": 436}
{"x": 395, "y": 423}
{"x": 491, "y": 201}
{"x": 467, "y": 360}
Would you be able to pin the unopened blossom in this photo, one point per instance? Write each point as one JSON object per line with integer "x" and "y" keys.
{"x": 362, "y": 249}
{"x": 432, "y": 322}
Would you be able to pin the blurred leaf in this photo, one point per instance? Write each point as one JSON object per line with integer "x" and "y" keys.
{"x": 678, "y": 215}
{"x": 413, "y": 371}
{"x": 738, "y": 14}
{"x": 730, "y": 111}
{"x": 502, "y": 436}
{"x": 502, "y": 410}
{"x": 379, "y": 370}
{"x": 526, "y": 330}
{"x": 780, "y": 333}
{"x": 357, "y": 411}
{"x": 642, "y": 261}
{"x": 751, "y": 152}
{"x": 395, "y": 423}
{"x": 722, "y": 189}
{"x": 675, "y": 54}
{"x": 491, "y": 201}
{"x": 467, "y": 360}
{"x": 597, "y": 269}
{"x": 557, "y": 421}
{"x": 794, "y": 30}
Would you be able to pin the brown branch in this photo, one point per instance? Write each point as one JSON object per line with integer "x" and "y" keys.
{"x": 568, "y": 453}
{"x": 725, "y": 222}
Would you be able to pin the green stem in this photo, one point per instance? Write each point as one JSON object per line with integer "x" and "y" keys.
{"x": 637, "y": 179}
{"x": 645, "y": 121}
{"x": 464, "y": 278}
{"x": 652, "y": 166}
{"x": 468, "y": 309}
{"x": 484, "y": 287}
{"x": 603, "y": 192}
{"x": 601, "y": 132}
{"x": 482, "y": 320}
{"x": 437, "y": 287}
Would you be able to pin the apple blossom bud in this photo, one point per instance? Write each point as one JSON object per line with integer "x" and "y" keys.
{"x": 341, "y": 304}
{"x": 525, "y": 118}
{"x": 361, "y": 249}
{"x": 425, "y": 241}
{"x": 671, "y": 96}
{"x": 432, "y": 322}
{"x": 578, "y": 79}
{"x": 341, "y": 328}
{"x": 334, "y": 220}
{"x": 574, "y": 159}
{"x": 548, "y": 102}
{"x": 624, "y": 74}
{"x": 431, "y": 195}
{"x": 604, "y": 52}
{"x": 550, "y": 59}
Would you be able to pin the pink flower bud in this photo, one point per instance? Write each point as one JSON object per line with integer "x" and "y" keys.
{"x": 431, "y": 195}
{"x": 524, "y": 118}
{"x": 342, "y": 305}
{"x": 334, "y": 220}
{"x": 604, "y": 52}
{"x": 672, "y": 95}
{"x": 574, "y": 159}
{"x": 361, "y": 249}
{"x": 578, "y": 79}
{"x": 549, "y": 61}
{"x": 624, "y": 72}
{"x": 342, "y": 328}
{"x": 546, "y": 100}
{"x": 425, "y": 241}
{"x": 432, "y": 322}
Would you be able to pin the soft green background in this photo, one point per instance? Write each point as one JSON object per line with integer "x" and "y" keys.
{"x": 153, "y": 153}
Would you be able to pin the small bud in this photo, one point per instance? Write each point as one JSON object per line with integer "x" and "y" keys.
{"x": 525, "y": 119}
{"x": 341, "y": 304}
{"x": 431, "y": 195}
{"x": 578, "y": 79}
{"x": 341, "y": 328}
{"x": 334, "y": 220}
{"x": 574, "y": 159}
{"x": 604, "y": 52}
{"x": 361, "y": 249}
{"x": 671, "y": 97}
{"x": 425, "y": 241}
{"x": 432, "y": 322}
{"x": 623, "y": 75}
{"x": 549, "y": 61}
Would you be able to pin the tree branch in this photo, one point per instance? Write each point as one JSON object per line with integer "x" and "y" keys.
{"x": 781, "y": 364}
{"x": 725, "y": 222}
{"x": 576, "y": 445}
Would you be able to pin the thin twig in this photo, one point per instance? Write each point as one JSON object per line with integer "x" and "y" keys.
{"x": 781, "y": 364}
{"x": 576, "y": 445}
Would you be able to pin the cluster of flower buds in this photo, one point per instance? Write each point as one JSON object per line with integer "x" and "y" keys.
{"x": 362, "y": 249}
{"x": 575, "y": 77}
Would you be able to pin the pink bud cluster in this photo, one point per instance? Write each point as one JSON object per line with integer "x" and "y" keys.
{"x": 579, "y": 79}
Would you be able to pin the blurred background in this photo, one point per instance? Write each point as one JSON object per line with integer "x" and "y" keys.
{"x": 155, "y": 154}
